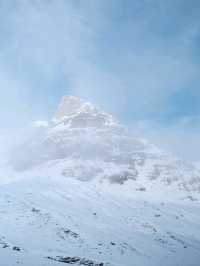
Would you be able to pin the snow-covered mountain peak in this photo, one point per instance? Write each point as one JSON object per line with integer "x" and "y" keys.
{"x": 68, "y": 106}
{"x": 82, "y": 169}
{"x": 85, "y": 143}
{"x": 74, "y": 112}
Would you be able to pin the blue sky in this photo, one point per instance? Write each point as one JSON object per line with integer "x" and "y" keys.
{"x": 139, "y": 59}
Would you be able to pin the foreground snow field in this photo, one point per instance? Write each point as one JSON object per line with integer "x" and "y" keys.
{"x": 82, "y": 191}
{"x": 55, "y": 216}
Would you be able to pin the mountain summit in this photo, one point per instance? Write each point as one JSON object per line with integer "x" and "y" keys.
{"x": 68, "y": 106}
{"x": 78, "y": 113}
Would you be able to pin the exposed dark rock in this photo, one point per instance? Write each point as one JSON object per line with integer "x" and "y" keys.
{"x": 157, "y": 215}
{"x": 71, "y": 233}
{"x": 141, "y": 189}
{"x": 16, "y": 249}
{"x": 35, "y": 210}
{"x": 192, "y": 198}
{"x": 76, "y": 260}
{"x": 5, "y": 246}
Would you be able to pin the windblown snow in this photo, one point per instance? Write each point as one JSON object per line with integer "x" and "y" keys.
{"x": 82, "y": 189}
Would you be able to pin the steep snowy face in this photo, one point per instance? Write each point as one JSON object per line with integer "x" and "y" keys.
{"x": 85, "y": 143}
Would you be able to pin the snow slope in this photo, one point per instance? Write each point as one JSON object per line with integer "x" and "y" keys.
{"x": 82, "y": 190}
{"x": 49, "y": 216}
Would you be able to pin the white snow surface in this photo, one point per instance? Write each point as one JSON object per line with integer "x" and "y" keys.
{"x": 83, "y": 186}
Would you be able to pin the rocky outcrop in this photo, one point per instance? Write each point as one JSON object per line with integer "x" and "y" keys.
{"x": 76, "y": 260}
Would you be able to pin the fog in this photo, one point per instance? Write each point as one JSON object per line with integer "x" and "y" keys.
{"x": 126, "y": 56}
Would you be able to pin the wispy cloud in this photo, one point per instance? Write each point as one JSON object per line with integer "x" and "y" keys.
{"x": 132, "y": 57}
{"x": 180, "y": 137}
